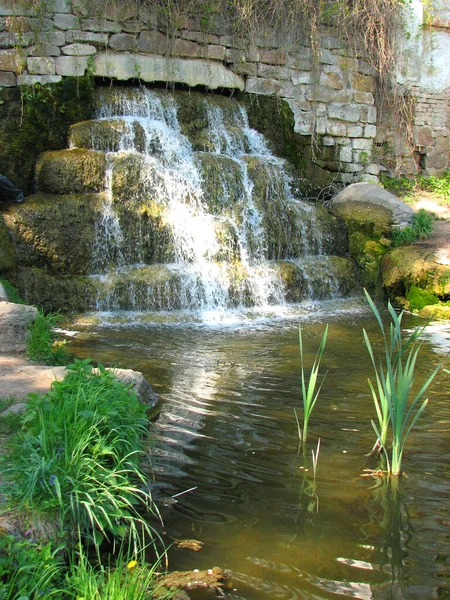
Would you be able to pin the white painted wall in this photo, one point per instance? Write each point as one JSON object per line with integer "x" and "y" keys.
{"x": 426, "y": 60}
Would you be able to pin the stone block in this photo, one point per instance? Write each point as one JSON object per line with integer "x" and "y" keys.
{"x": 363, "y": 83}
{"x": 344, "y": 96}
{"x": 59, "y": 6}
{"x": 65, "y": 21}
{"x": 327, "y": 140}
{"x": 33, "y": 79}
{"x": 320, "y": 93}
{"x": 2, "y": 24}
{"x": 122, "y": 41}
{"x": 300, "y": 77}
{"x": 41, "y": 65}
{"x": 7, "y": 8}
{"x": 100, "y": 25}
{"x": 153, "y": 42}
{"x": 79, "y": 49}
{"x": 265, "y": 87}
{"x": 272, "y": 57}
{"x": 370, "y": 131}
{"x": 71, "y": 66}
{"x": 368, "y": 114}
{"x": 216, "y": 52}
{"x": 185, "y": 48}
{"x": 344, "y": 112}
{"x": 331, "y": 43}
{"x": 55, "y": 38}
{"x": 288, "y": 90}
{"x": 304, "y": 122}
{"x": 15, "y": 40}
{"x": 15, "y": 320}
{"x": 331, "y": 80}
{"x": 96, "y": 39}
{"x": 345, "y": 154}
{"x": 17, "y": 24}
{"x": 372, "y": 168}
{"x": 39, "y": 25}
{"x": 355, "y": 131}
{"x": 243, "y": 68}
{"x": 231, "y": 41}
{"x": 363, "y": 97}
{"x": 133, "y": 27}
{"x": 7, "y": 79}
{"x": 346, "y": 63}
{"x": 362, "y": 144}
{"x": 273, "y": 72}
{"x": 326, "y": 57}
{"x": 302, "y": 64}
{"x": 191, "y": 72}
{"x": 122, "y": 10}
{"x": 44, "y": 50}
{"x": 12, "y": 60}
{"x": 201, "y": 37}
{"x": 338, "y": 129}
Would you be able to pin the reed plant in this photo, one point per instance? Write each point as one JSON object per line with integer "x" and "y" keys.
{"x": 77, "y": 458}
{"x": 310, "y": 384}
{"x": 396, "y": 405}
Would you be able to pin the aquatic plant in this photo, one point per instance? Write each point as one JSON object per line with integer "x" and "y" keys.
{"x": 310, "y": 385}
{"x": 43, "y": 343}
{"x": 393, "y": 397}
{"x": 76, "y": 458}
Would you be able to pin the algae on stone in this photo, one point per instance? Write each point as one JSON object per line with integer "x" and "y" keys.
{"x": 8, "y": 256}
{"x": 72, "y": 171}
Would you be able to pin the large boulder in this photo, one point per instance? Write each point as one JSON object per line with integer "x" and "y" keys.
{"x": 370, "y": 205}
{"x": 14, "y": 322}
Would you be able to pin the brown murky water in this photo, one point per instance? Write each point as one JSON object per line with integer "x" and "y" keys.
{"x": 228, "y": 429}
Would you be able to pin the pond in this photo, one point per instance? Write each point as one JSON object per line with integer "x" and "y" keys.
{"x": 228, "y": 430}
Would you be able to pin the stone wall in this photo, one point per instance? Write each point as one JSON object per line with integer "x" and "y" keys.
{"x": 331, "y": 94}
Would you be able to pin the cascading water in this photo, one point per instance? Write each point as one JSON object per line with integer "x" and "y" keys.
{"x": 197, "y": 212}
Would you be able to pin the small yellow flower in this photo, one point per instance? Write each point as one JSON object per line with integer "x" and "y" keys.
{"x": 131, "y": 565}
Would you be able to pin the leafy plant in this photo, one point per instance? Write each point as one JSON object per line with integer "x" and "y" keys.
{"x": 421, "y": 229}
{"x": 43, "y": 343}
{"x": 394, "y": 401}
{"x": 28, "y": 570}
{"x": 78, "y": 457}
{"x": 310, "y": 385}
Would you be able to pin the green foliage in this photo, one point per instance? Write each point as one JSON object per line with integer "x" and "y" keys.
{"x": 77, "y": 456}
{"x": 439, "y": 185}
{"x": 395, "y": 403}
{"x": 310, "y": 385}
{"x": 11, "y": 292}
{"x": 419, "y": 298}
{"x": 420, "y": 229}
{"x": 43, "y": 343}
{"x": 38, "y": 120}
{"x": 28, "y": 570}
{"x": 125, "y": 580}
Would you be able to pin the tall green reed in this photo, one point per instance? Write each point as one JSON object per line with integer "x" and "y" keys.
{"x": 395, "y": 403}
{"x": 310, "y": 384}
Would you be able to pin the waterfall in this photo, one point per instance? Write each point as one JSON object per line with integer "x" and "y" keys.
{"x": 197, "y": 212}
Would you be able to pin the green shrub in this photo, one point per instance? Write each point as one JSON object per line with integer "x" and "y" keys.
{"x": 77, "y": 456}
{"x": 11, "y": 292}
{"x": 43, "y": 344}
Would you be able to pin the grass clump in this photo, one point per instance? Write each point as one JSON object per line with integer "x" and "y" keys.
{"x": 77, "y": 457}
{"x": 11, "y": 292}
{"x": 43, "y": 343}
{"x": 397, "y": 406}
{"x": 420, "y": 229}
{"x": 310, "y": 385}
{"x": 406, "y": 187}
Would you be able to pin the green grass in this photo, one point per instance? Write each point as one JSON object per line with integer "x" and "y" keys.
{"x": 420, "y": 229}
{"x": 406, "y": 187}
{"x": 43, "y": 343}
{"x": 76, "y": 458}
{"x": 11, "y": 292}
{"x": 398, "y": 408}
{"x": 310, "y": 384}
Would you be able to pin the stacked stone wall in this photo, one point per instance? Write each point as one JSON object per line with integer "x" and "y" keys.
{"x": 331, "y": 94}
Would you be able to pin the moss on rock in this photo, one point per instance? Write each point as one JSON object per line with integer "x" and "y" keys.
{"x": 72, "y": 171}
{"x": 8, "y": 256}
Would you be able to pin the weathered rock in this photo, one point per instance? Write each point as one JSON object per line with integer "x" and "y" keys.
{"x": 71, "y": 171}
{"x": 369, "y": 203}
{"x": 7, "y": 250}
{"x": 140, "y": 386}
{"x": 14, "y": 322}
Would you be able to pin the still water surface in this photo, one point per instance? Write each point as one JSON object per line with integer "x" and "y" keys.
{"x": 228, "y": 429}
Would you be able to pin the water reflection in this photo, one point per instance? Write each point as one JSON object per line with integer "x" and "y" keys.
{"x": 228, "y": 429}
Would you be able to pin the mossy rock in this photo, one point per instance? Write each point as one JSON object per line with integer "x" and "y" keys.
{"x": 107, "y": 135}
{"x": 318, "y": 278}
{"x": 65, "y": 294}
{"x": 368, "y": 253}
{"x": 417, "y": 299}
{"x": 414, "y": 265}
{"x": 54, "y": 232}
{"x": 441, "y": 310}
{"x": 8, "y": 256}
{"x": 72, "y": 171}
{"x": 133, "y": 179}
